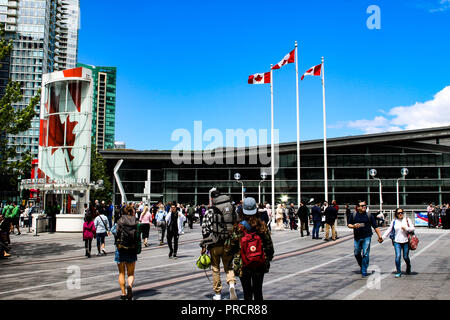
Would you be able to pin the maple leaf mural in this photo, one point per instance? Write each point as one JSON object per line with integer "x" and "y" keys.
{"x": 57, "y": 130}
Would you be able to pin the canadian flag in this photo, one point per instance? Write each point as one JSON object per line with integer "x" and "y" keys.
{"x": 259, "y": 78}
{"x": 314, "y": 71}
{"x": 289, "y": 58}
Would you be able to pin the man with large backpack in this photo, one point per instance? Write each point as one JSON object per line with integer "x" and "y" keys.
{"x": 217, "y": 228}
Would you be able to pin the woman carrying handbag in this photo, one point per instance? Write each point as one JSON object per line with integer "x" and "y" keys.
{"x": 399, "y": 232}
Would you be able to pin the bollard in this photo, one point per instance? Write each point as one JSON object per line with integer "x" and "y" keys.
{"x": 36, "y": 227}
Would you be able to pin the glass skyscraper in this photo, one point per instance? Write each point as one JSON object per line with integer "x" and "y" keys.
{"x": 104, "y": 106}
{"x": 45, "y": 35}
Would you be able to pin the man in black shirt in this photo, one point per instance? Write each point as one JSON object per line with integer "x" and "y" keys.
{"x": 330, "y": 218}
{"x": 362, "y": 223}
{"x": 303, "y": 214}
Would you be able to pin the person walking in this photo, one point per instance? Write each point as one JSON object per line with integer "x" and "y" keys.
{"x": 145, "y": 220}
{"x": 216, "y": 231}
{"x": 303, "y": 215}
{"x": 253, "y": 250}
{"x": 191, "y": 216}
{"x": 127, "y": 249}
{"x": 430, "y": 210}
{"x": 102, "y": 229}
{"x": 322, "y": 210}
{"x": 15, "y": 218}
{"x": 161, "y": 223}
{"x": 88, "y": 234}
{"x": 316, "y": 217}
{"x": 330, "y": 218}
{"x": 279, "y": 217}
{"x": 270, "y": 215}
{"x": 263, "y": 215}
{"x": 174, "y": 222}
{"x": 362, "y": 223}
{"x": 4, "y": 231}
{"x": 398, "y": 232}
{"x": 292, "y": 217}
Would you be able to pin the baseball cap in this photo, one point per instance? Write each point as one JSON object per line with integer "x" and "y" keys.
{"x": 249, "y": 207}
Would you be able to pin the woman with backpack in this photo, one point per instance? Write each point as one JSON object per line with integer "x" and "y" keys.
{"x": 253, "y": 250}
{"x": 398, "y": 232}
{"x": 127, "y": 248}
{"x": 160, "y": 219}
{"x": 145, "y": 220}
{"x": 88, "y": 234}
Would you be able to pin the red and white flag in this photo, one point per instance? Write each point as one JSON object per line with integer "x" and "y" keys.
{"x": 289, "y": 58}
{"x": 314, "y": 71}
{"x": 259, "y": 78}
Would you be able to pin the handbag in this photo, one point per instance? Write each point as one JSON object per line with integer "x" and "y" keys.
{"x": 392, "y": 235}
{"x": 413, "y": 240}
{"x": 114, "y": 229}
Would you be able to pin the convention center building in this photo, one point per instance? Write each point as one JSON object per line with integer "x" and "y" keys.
{"x": 425, "y": 153}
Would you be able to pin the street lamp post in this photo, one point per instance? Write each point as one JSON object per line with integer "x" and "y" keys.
{"x": 263, "y": 177}
{"x": 373, "y": 173}
{"x": 404, "y": 173}
{"x": 237, "y": 177}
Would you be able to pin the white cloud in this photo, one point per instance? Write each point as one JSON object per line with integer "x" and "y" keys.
{"x": 432, "y": 113}
{"x": 443, "y": 6}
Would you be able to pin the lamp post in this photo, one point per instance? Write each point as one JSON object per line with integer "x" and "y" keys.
{"x": 237, "y": 177}
{"x": 404, "y": 173}
{"x": 263, "y": 177}
{"x": 373, "y": 173}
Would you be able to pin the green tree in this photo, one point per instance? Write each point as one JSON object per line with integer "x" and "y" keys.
{"x": 13, "y": 122}
{"x": 99, "y": 172}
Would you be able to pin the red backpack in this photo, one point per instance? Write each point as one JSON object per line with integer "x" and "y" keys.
{"x": 252, "y": 252}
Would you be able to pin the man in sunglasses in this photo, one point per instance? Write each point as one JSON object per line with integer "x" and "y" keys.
{"x": 362, "y": 223}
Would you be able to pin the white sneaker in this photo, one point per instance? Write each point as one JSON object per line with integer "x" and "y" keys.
{"x": 233, "y": 295}
{"x": 217, "y": 297}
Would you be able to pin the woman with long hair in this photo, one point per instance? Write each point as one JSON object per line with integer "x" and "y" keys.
{"x": 252, "y": 248}
{"x": 126, "y": 250}
{"x": 145, "y": 219}
{"x": 398, "y": 231}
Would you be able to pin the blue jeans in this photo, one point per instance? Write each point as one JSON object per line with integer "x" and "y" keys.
{"x": 398, "y": 254}
{"x": 363, "y": 245}
{"x": 316, "y": 228}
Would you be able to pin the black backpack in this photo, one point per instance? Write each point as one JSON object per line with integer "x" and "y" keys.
{"x": 127, "y": 235}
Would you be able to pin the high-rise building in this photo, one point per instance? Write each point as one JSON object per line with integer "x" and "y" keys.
{"x": 104, "y": 106}
{"x": 45, "y": 35}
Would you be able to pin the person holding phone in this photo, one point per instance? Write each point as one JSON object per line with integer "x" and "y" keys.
{"x": 362, "y": 223}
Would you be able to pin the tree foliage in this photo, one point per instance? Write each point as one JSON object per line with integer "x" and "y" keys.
{"x": 99, "y": 172}
{"x": 13, "y": 121}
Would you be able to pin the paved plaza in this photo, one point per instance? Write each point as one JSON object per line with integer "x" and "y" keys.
{"x": 48, "y": 266}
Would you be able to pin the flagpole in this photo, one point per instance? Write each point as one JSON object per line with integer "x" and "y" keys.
{"x": 272, "y": 147}
{"x": 299, "y": 199}
{"x": 324, "y": 134}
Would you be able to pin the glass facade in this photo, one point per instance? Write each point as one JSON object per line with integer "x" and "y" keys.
{"x": 41, "y": 30}
{"x": 348, "y": 175}
{"x": 104, "y": 106}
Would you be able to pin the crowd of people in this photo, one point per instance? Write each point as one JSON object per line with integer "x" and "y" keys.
{"x": 238, "y": 235}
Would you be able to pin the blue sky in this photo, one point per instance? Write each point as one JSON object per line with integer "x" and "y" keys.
{"x": 185, "y": 61}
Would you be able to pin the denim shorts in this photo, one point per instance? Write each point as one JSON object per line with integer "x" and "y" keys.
{"x": 125, "y": 257}
{"x": 101, "y": 238}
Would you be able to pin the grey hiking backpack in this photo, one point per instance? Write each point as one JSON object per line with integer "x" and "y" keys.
{"x": 222, "y": 217}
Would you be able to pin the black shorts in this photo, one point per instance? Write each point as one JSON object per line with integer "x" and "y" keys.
{"x": 15, "y": 221}
{"x": 145, "y": 229}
